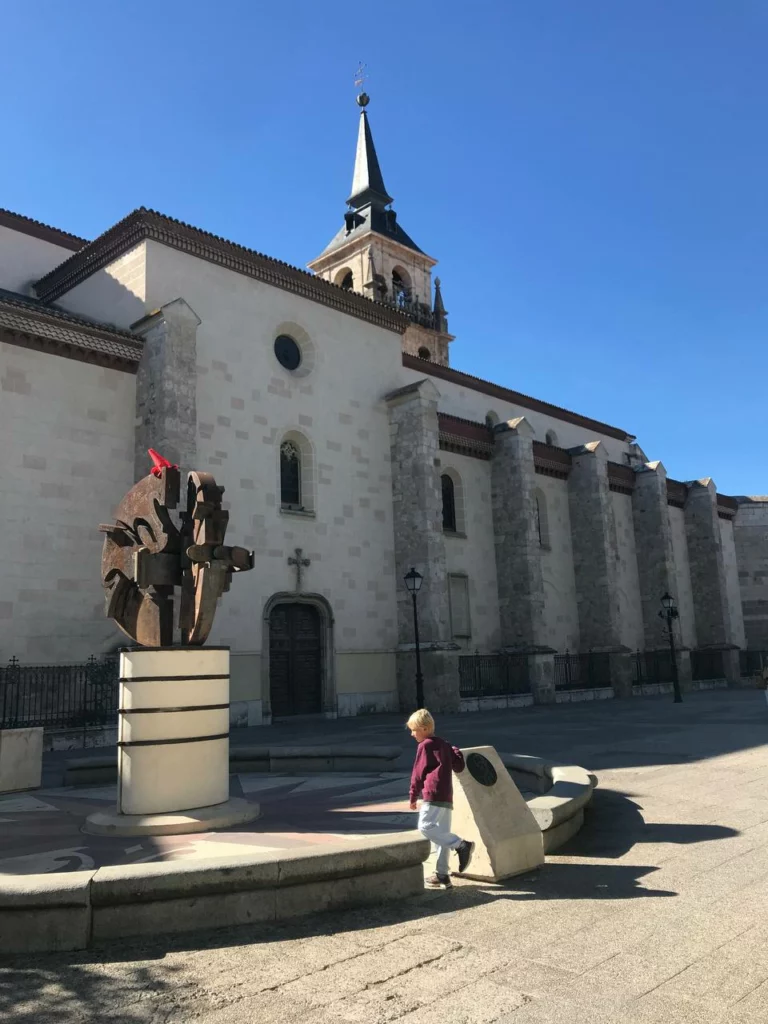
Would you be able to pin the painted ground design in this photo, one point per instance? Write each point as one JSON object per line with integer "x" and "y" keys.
{"x": 40, "y": 832}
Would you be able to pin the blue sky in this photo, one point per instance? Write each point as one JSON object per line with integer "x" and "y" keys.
{"x": 590, "y": 175}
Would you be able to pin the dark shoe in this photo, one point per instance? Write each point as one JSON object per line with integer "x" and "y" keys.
{"x": 439, "y": 882}
{"x": 464, "y": 852}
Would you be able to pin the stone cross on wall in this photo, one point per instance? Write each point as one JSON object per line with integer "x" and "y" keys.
{"x": 300, "y": 564}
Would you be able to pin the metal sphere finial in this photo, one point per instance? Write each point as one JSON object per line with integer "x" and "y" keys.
{"x": 363, "y": 99}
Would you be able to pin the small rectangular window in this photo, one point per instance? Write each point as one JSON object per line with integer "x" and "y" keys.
{"x": 458, "y": 595}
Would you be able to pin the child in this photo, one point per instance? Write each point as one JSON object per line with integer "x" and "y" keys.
{"x": 432, "y": 781}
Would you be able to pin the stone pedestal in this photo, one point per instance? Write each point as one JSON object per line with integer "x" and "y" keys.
{"x": 173, "y": 744}
{"x": 21, "y": 759}
{"x": 490, "y": 811}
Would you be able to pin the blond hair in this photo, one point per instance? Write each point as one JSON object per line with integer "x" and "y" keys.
{"x": 421, "y": 719}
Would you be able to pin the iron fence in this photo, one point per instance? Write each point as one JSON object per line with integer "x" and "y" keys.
{"x": 706, "y": 664}
{"x": 582, "y": 671}
{"x": 653, "y": 667}
{"x": 82, "y": 696}
{"x": 752, "y": 663}
{"x": 493, "y": 675}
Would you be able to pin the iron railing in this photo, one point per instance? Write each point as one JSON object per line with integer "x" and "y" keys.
{"x": 493, "y": 675}
{"x": 707, "y": 664}
{"x": 653, "y": 667}
{"x": 82, "y": 696}
{"x": 582, "y": 671}
{"x": 752, "y": 663}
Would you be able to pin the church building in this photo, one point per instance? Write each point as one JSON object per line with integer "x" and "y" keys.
{"x": 351, "y": 451}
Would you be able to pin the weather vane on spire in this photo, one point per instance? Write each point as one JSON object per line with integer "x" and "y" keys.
{"x": 361, "y": 77}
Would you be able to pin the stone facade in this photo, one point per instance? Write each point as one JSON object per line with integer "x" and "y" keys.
{"x": 563, "y": 536}
{"x": 750, "y": 530}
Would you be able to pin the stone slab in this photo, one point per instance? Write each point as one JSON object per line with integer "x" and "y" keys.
{"x": 21, "y": 759}
{"x": 196, "y": 819}
{"x": 45, "y": 912}
{"x": 496, "y": 818}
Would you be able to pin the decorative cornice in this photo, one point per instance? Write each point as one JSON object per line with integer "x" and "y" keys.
{"x": 621, "y": 479}
{"x": 496, "y": 391}
{"x": 677, "y": 493}
{"x": 145, "y": 224}
{"x": 36, "y": 229}
{"x": 549, "y": 460}
{"x": 58, "y": 333}
{"x": 464, "y": 437}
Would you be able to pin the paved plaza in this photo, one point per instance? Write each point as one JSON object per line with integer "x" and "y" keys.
{"x": 656, "y": 912}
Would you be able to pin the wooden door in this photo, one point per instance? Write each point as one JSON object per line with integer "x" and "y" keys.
{"x": 295, "y": 660}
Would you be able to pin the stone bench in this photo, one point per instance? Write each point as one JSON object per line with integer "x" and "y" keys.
{"x": 89, "y": 771}
{"x": 563, "y": 793}
{"x": 69, "y": 911}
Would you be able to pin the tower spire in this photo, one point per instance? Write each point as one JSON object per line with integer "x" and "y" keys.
{"x": 367, "y": 179}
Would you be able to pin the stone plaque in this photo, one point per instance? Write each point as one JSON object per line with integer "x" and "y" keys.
{"x": 489, "y": 810}
{"x": 481, "y": 770}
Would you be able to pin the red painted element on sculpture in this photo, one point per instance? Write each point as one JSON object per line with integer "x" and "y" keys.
{"x": 146, "y": 555}
{"x": 160, "y": 462}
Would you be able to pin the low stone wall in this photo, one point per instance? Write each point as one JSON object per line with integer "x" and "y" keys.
{"x": 564, "y": 791}
{"x": 79, "y": 909}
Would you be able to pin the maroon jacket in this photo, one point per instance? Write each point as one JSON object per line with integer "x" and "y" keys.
{"x": 431, "y": 778}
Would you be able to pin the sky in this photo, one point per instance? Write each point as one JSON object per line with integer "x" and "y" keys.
{"x": 590, "y": 174}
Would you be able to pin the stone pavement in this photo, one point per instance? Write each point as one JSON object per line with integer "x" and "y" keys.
{"x": 656, "y": 912}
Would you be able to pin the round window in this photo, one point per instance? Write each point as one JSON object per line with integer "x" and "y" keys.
{"x": 287, "y": 351}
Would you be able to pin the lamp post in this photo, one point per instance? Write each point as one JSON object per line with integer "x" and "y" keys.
{"x": 670, "y": 613}
{"x": 413, "y": 581}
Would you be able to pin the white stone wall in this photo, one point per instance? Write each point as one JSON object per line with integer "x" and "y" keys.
{"x": 24, "y": 259}
{"x": 560, "y": 611}
{"x": 631, "y": 619}
{"x": 115, "y": 294}
{"x": 473, "y": 554}
{"x": 65, "y": 463}
{"x": 246, "y": 403}
{"x": 683, "y": 577}
{"x": 474, "y": 405}
{"x": 732, "y": 588}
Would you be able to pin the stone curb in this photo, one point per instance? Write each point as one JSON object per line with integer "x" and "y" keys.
{"x": 63, "y": 912}
{"x": 559, "y": 809}
{"x": 89, "y": 771}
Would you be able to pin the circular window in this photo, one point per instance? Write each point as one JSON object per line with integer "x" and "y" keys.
{"x": 287, "y": 352}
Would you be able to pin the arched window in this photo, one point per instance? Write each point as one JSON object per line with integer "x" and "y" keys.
{"x": 345, "y": 279}
{"x": 424, "y": 353}
{"x": 542, "y": 520}
{"x": 551, "y": 438}
{"x": 449, "y": 503}
{"x": 401, "y": 287}
{"x": 290, "y": 475}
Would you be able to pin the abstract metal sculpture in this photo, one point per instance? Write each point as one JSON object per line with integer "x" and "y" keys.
{"x": 146, "y": 555}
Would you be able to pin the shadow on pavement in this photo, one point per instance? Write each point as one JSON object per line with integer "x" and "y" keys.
{"x": 613, "y": 824}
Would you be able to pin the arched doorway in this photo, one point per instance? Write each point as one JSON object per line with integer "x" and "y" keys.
{"x": 295, "y": 659}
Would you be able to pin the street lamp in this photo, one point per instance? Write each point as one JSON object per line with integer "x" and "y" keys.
{"x": 413, "y": 581}
{"x": 670, "y": 613}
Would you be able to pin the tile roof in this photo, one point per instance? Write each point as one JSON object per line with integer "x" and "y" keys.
{"x": 18, "y": 222}
{"x": 149, "y": 224}
{"x": 27, "y": 323}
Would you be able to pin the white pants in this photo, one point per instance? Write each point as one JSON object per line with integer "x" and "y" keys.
{"x": 435, "y": 825}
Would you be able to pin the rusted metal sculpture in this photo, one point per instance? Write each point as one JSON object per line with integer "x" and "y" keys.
{"x": 146, "y": 555}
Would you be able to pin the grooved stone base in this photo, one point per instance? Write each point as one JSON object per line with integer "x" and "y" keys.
{"x": 197, "y": 819}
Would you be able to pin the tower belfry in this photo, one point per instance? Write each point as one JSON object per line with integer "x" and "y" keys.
{"x": 373, "y": 255}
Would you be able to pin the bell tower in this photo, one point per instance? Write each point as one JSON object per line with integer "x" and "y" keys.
{"x": 372, "y": 254}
